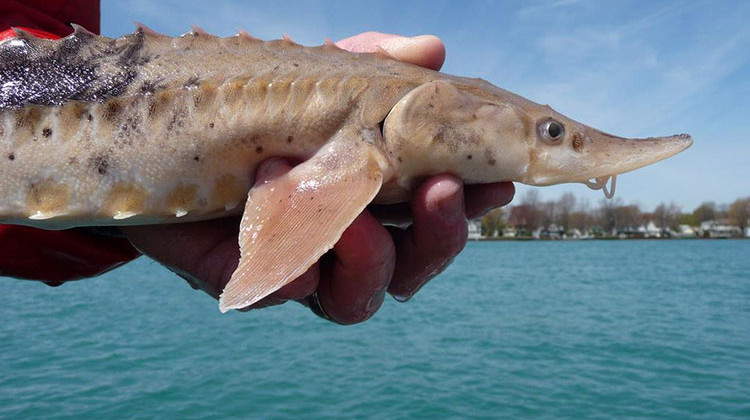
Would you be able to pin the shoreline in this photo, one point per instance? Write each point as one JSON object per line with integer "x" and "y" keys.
{"x": 607, "y": 238}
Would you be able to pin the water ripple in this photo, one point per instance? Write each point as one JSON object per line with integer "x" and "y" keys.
{"x": 543, "y": 330}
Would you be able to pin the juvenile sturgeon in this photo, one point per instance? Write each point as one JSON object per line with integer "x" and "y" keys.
{"x": 148, "y": 129}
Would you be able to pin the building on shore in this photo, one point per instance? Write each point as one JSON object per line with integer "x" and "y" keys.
{"x": 707, "y": 229}
{"x": 685, "y": 231}
{"x": 719, "y": 229}
{"x": 475, "y": 229}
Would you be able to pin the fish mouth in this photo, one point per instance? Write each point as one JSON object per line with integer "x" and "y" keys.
{"x": 632, "y": 154}
{"x": 613, "y": 155}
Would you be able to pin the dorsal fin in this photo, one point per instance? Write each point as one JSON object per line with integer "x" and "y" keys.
{"x": 79, "y": 30}
{"x": 286, "y": 39}
{"x": 146, "y": 30}
{"x": 243, "y": 34}
{"x": 23, "y": 34}
{"x": 197, "y": 30}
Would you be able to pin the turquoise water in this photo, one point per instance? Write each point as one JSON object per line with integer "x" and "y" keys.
{"x": 652, "y": 329}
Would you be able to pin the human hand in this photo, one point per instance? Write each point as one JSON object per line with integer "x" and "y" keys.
{"x": 350, "y": 283}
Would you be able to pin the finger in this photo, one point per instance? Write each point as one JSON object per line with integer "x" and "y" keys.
{"x": 438, "y": 234}
{"x": 355, "y": 286}
{"x": 482, "y": 198}
{"x": 302, "y": 287}
{"x": 479, "y": 199}
{"x": 397, "y": 214}
{"x": 203, "y": 253}
{"x": 423, "y": 50}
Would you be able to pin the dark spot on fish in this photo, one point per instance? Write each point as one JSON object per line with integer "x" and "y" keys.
{"x": 289, "y": 139}
{"x": 108, "y": 86}
{"x": 399, "y": 159}
{"x": 197, "y": 158}
{"x": 451, "y": 138}
{"x": 130, "y": 51}
{"x": 130, "y": 123}
{"x": 490, "y": 157}
{"x": 72, "y": 161}
{"x": 11, "y": 157}
{"x": 197, "y": 99}
{"x": 148, "y": 87}
{"x": 295, "y": 64}
{"x": 259, "y": 149}
{"x": 47, "y": 132}
{"x": 112, "y": 109}
{"x": 178, "y": 118}
{"x": 577, "y": 142}
{"x": 100, "y": 163}
{"x": 152, "y": 108}
{"x": 211, "y": 125}
{"x": 469, "y": 157}
{"x": 23, "y": 118}
{"x": 191, "y": 83}
{"x": 90, "y": 117}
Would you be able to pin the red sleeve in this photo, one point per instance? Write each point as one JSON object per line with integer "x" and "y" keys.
{"x": 56, "y": 256}
{"x": 52, "y": 16}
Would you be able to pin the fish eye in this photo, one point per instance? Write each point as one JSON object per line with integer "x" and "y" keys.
{"x": 551, "y": 131}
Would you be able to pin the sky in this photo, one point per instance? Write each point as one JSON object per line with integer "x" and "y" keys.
{"x": 631, "y": 68}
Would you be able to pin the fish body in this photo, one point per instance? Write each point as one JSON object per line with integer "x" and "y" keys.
{"x": 148, "y": 128}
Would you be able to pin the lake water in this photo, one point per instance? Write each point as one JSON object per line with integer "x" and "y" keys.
{"x": 651, "y": 329}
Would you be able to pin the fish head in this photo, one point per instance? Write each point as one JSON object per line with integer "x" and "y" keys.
{"x": 486, "y": 134}
{"x": 564, "y": 150}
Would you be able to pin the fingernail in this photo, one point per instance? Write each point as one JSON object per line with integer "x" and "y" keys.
{"x": 450, "y": 203}
{"x": 403, "y": 47}
{"x": 401, "y": 298}
{"x": 395, "y": 43}
{"x": 375, "y": 302}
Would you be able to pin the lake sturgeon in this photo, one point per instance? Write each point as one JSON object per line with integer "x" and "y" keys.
{"x": 148, "y": 129}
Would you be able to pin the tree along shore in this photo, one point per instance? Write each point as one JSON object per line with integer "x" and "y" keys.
{"x": 571, "y": 218}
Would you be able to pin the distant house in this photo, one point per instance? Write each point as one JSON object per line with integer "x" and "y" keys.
{"x": 747, "y": 232}
{"x": 509, "y": 232}
{"x": 555, "y": 232}
{"x": 475, "y": 229}
{"x": 685, "y": 231}
{"x": 537, "y": 233}
{"x": 719, "y": 229}
{"x": 649, "y": 230}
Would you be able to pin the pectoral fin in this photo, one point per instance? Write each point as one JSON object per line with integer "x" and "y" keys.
{"x": 291, "y": 221}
